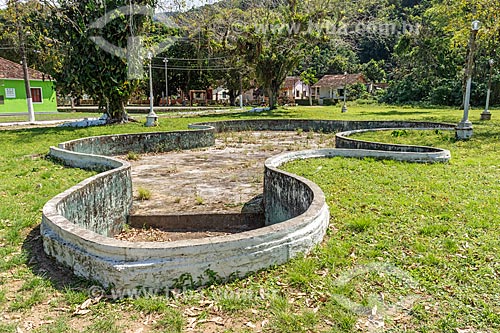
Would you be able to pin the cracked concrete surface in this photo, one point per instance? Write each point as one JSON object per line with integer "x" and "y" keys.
{"x": 218, "y": 179}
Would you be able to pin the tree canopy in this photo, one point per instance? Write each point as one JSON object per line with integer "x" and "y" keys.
{"x": 419, "y": 47}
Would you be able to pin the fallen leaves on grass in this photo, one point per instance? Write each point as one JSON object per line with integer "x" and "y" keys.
{"x": 82, "y": 309}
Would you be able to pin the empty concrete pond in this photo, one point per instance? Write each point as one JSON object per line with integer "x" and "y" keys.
{"x": 210, "y": 191}
{"x": 204, "y": 214}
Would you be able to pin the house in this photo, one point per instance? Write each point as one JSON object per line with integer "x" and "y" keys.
{"x": 332, "y": 86}
{"x": 293, "y": 88}
{"x": 13, "y": 92}
{"x": 221, "y": 94}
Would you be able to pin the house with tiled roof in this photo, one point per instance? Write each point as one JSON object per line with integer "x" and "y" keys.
{"x": 293, "y": 88}
{"x": 13, "y": 91}
{"x": 332, "y": 86}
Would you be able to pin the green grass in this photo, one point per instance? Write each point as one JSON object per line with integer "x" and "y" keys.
{"x": 437, "y": 223}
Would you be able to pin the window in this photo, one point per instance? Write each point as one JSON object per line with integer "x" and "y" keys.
{"x": 36, "y": 95}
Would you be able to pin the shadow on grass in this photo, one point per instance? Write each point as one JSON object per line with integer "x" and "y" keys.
{"x": 489, "y": 132}
{"x": 398, "y": 113}
{"x": 279, "y": 113}
{"x": 42, "y": 265}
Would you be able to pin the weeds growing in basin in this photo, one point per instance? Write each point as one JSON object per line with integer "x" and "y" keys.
{"x": 133, "y": 156}
{"x": 143, "y": 194}
{"x": 199, "y": 199}
{"x": 439, "y": 223}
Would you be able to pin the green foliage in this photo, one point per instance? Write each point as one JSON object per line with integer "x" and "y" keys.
{"x": 355, "y": 91}
{"x": 19, "y": 29}
{"x": 430, "y": 63}
{"x": 133, "y": 156}
{"x": 374, "y": 70}
{"x": 87, "y": 68}
{"x": 143, "y": 194}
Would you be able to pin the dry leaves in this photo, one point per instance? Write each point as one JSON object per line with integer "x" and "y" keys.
{"x": 82, "y": 309}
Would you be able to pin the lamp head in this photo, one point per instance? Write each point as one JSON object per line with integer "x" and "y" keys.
{"x": 491, "y": 62}
{"x": 476, "y": 25}
{"x": 150, "y": 55}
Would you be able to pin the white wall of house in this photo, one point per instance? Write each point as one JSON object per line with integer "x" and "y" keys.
{"x": 299, "y": 91}
{"x": 220, "y": 94}
{"x": 327, "y": 92}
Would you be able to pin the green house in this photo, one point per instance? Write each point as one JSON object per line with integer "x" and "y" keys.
{"x": 13, "y": 92}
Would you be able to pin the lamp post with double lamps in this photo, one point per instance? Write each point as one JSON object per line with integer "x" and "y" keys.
{"x": 486, "y": 115}
{"x": 151, "y": 118}
{"x": 464, "y": 131}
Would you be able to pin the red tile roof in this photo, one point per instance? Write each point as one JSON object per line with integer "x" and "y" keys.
{"x": 339, "y": 80}
{"x": 290, "y": 82}
{"x": 12, "y": 70}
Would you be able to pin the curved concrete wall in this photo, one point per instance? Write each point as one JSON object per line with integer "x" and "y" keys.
{"x": 75, "y": 223}
{"x": 418, "y": 154}
{"x": 326, "y": 126}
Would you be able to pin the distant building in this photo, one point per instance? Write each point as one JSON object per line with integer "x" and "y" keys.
{"x": 332, "y": 86}
{"x": 293, "y": 88}
{"x": 13, "y": 92}
{"x": 221, "y": 94}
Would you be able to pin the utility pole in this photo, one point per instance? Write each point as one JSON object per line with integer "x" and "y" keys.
{"x": 166, "y": 81}
{"x": 22, "y": 49}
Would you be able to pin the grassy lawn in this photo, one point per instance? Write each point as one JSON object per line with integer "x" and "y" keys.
{"x": 410, "y": 248}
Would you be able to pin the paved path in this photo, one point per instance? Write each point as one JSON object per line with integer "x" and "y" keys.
{"x": 51, "y": 123}
{"x": 41, "y": 123}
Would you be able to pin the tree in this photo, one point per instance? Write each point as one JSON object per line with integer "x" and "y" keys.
{"x": 88, "y": 68}
{"x": 280, "y": 35}
{"x": 309, "y": 78}
{"x": 374, "y": 70}
{"x": 215, "y": 30}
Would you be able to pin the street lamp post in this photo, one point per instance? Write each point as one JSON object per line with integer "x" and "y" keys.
{"x": 344, "y": 106}
{"x": 241, "y": 92}
{"x": 486, "y": 115}
{"x": 166, "y": 81}
{"x": 464, "y": 131}
{"x": 151, "y": 118}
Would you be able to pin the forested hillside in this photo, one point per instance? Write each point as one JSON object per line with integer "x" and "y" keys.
{"x": 419, "y": 47}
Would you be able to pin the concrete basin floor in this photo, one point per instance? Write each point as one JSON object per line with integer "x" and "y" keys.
{"x": 226, "y": 178}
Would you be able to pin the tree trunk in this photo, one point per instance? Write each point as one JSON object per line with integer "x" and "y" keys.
{"x": 273, "y": 97}
{"x": 310, "y": 96}
{"x": 116, "y": 111}
{"x": 232, "y": 97}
